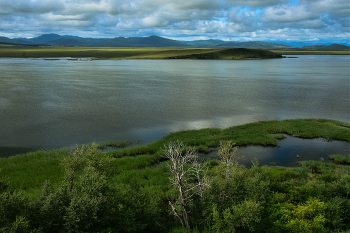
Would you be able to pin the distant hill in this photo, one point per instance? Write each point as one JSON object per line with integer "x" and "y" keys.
{"x": 57, "y": 40}
{"x": 43, "y": 39}
{"x": 156, "y": 41}
{"x": 11, "y": 41}
{"x": 254, "y": 44}
{"x": 151, "y": 41}
{"x": 234, "y": 44}
{"x": 333, "y": 47}
{"x": 204, "y": 43}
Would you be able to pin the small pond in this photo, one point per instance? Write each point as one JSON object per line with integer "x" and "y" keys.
{"x": 290, "y": 151}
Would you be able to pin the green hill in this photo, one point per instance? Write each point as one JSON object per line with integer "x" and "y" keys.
{"x": 232, "y": 54}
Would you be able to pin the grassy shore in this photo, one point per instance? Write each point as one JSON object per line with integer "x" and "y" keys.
{"x": 100, "y": 52}
{"x": 135, "y": 53}
{"x": 128, "y": 190}
{"x": 141, "y": 53}
{"x": 309, "y": 52}
{"x": 29, "y": 171}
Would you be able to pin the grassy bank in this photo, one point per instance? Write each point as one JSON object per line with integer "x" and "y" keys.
{"x": 85, "y": 190}
{"x": 309, "y": 52}
{"x": 30, "y": 170}
{"x": 146, "y": 53}
{"x": 133, "y": 53}
{"x": 128, "y": 190}
{"x": 264, "y": 133}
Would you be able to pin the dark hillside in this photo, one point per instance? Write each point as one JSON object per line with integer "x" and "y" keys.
{"x": 232, "y": 54}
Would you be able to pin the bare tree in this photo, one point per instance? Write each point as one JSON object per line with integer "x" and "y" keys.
{"x": 188, "y": 180}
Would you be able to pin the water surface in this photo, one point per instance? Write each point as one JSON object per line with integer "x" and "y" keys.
{"x": 50, "y": 104}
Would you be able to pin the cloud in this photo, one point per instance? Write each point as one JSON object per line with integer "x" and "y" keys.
{"x": 221, "y": 19}
{"x": 285, "y": 14}
{"x": 334, "y": 8}
{"x": 154, "y": 21}
{"x": 243, "y": 20}
{"x": 255, "y": 3}
{"x": 29, "y": 7}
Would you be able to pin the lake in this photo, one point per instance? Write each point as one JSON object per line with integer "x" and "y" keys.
{"x": 58, "y": 103}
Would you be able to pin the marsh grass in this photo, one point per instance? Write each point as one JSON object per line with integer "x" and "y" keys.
{"x": 30, "y": 170}
{"x": 135, "y": 165}
{"x": 340, "y": 159}
{"x": 261, "y": 133}
{"x": 115, "y": 144}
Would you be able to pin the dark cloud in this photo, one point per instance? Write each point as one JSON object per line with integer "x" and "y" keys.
{"x": 285, "y": 14}
{"x": 255, "y": 3}
{"x": 192, "y": 19}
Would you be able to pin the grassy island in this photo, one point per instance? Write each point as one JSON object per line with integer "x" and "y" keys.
{"x": 134, "y": 53}
{"x": 165, "y": 187}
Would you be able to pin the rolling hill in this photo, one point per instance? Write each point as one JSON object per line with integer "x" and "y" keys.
{"x": 156, "y": 41}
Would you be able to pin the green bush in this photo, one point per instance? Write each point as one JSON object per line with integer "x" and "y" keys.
{"x": 242, "y": 217}
{"x": 307, "y": 217}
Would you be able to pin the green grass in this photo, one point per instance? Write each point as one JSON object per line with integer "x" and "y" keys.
{"x": 99, "y": 52}
{"x": 259, "y": 133}
{"x": 134, "y": 53}
{"x": 340, "y": 159}
{"x": 278, "y": 174}
{"x": 144, "y": 53}
{"x": 141, "y": 188}
{"x": 310, "y": 52}
{"x": 115, "y": 144}
{"x": 29, "y": 171}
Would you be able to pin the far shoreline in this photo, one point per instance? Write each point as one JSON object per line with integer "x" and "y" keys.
{"x": 111, "y": 53}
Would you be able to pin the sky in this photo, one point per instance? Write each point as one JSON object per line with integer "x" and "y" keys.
{"x": 289, "y": 21}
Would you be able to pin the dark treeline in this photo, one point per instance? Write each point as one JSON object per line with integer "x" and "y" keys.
{"x": 100, "y": 193}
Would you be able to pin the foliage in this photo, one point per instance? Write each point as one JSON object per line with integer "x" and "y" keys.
{"x": 128, "y": 190}
{"x": 241, "y": 217}
{"x": 12, "y": 209}
{"x": 307, "y": 217}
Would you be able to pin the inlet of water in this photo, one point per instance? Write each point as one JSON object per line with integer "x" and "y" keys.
{"x": 290, "y": 151}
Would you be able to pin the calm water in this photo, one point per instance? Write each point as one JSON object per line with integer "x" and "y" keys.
{"x": 289, "y": 152}
{"x": 49, "y": 104}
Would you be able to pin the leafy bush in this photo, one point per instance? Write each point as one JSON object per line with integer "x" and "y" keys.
{"x": 307, "y": 217}
{"x": 242, "y": 217}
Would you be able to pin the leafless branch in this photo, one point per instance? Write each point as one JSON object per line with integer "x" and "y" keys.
{"x": 189, "y": 181}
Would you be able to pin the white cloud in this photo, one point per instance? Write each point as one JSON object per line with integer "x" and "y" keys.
{"x": 154, "y": 21}
{"x": 222, "y": 19}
